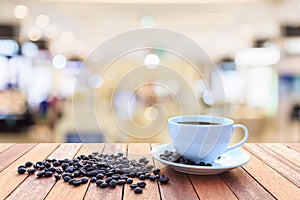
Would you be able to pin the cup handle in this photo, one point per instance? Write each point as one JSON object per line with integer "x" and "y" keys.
{"x": 246, "y": 134}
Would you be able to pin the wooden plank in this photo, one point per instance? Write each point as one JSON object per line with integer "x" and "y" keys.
{"x": 151, "y": 191}
{"x": 108, "y": 193}
{"x": 276, "y": 184}
{"x": 244, "y": 186}
{"x": 211, "y": 187}
{"x": 5, "y": 146}
{"x": 179, "y": 186}
{"x": 295, "y": 146}
{"x": 10, "y": 179}
{"x": 62, "y": 190}
{"x": 12, "y": 154}
{"x": 39, "y": 188}
{"x": 284, "y": 152}
{"x": 282, "y": 166}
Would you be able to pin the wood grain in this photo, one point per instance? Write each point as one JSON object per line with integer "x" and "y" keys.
{"x": 9, "y": 177}
{"x": 13, "y": 153}
{"x": 211, "y": 187}
{"x": 179, "y": 186}
{"x": 41, "y": 187}
{"x": 95, "y": 192}
{"x": 295, "y": 146}
{"x": 63, "y": 190}
{"x": 276, "y": 184}
{"x": 244, "y": 186}
{"x": 151, "y": 191}
{"x": 284, "y": 152}
{"x": 279, "y": 164}
{"x": 5, "y": 146}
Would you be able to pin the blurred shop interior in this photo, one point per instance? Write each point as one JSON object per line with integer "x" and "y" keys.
{"x": 44, "y": 44}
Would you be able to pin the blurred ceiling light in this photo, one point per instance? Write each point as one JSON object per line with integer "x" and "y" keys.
{"x": 257, "y": 57}
{"x": 151, "y": 61}
{"x": 147, "y": 22}
{"x": 95, "y": 81}
{"x": 66, "y": 37}
{"x": 42, "y": 21}
{"x": 51, "y": 31}
{"x": 29, "y": 49}
{"x": 20, "y": 11}
{"x": 34, "y": 34}
{"x": 59, "y": 61}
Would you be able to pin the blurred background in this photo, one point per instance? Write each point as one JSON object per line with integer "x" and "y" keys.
{"x": 44, "y": 43}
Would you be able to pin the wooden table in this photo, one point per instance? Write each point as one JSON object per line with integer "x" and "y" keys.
{"x": 272, "y": 173}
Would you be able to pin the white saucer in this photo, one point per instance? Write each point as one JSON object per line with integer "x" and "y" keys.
{"x": 229, "y": 160}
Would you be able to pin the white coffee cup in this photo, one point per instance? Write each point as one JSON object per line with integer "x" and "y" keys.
{"x": 203, "y": 143}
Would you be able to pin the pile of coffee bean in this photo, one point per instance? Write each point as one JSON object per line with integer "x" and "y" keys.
{"x": 105, "y": 170}
{"x": 172, "y": 156}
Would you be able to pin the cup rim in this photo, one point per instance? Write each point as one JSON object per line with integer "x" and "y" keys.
{"x": 217, "y": 119}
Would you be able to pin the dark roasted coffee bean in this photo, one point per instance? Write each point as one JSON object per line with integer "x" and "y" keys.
{"x": 71, "y": 181}
{"x": 40, "y": 174}
{"x": 208, "y": 164}
{"x": 108, "y": 174}
{"x": 124, "y": 177}
{"x": 138, "y": 174}
{"x": 66, "y": 174}
{"x": 57, "y": 177}
{"x": 133, "y": 185}
{"x": 67, "y": 178}
{"x": 84, "y": 180}
{"x": 39, "y": 163}
{"x": 53, "y": 160}
{"x": 152, "y": 177}
{"x": 99, "y": 176}
{"x": 83, "y": 172}
{"x": 93, "y": 179}
{"x": 76, "y": 182}
{"x": 65, "y": 165}
{"x": 201, "y": 164}
{"x": 103, "y": 185}
{"x": 115, "y": 176}
{"x": 70, "y": 169}
{"x": 141, "y": 184}
{"x": 142, "y": 177}
{"x": 21, "y": 170}
{"x": 163, "y": 179}
{"x": 138, "y": 190}
{"x": 48, "y": 173}
{"x": 98, "y": 182}
{"x": 131, "y": 174}
{"x": 31, "y": 171}
{"x": 121, "y": 182}
{"x": 113, "y": 183}
{"x": 28, "y": 164}
{"x": 118, "y": 171}
{"x": 107, "y": 180}
{"x": 41, "y": 167}
{"x": 147, "y": 175}
{"x": 47, "y": 164}
{"x": 21, "y": 166}
{"x": 76, "y": 173}
{"x": 156, "y": 171}
{"x": 58, "y": 170}
{"x": 129, "y": 180}
{"x": 52, "y": 169}
{"x": 56, "y": 164}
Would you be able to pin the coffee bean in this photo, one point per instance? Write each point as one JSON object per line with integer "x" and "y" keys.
{"x": 141, "y": 184}
{"x": 98, "y": 182}
{"x": 48, "y": 173}
{"x": 107, "y": 180}
{"x": 133, "y": 185}
{"x": 99, "y": 176}
{"x": 115, "y": 176}
{"x": 103, "y": 185}
{"x": 142, "y": 177}
{"x": 84, "y": 180}
{"x": 76, "y": 173}
{"x": 113, "y": 183}
{"x": 71, "y": 181}
{"x": 156, "y": 171}
{"x": 21, "y": 170}
{"x": 76, "y": 183}
{"x": 138, "y": 190}
{"x": 56, "y": 164}
{"x": 47, "y": 164}
{"x": 31, "y": 171}
{"x": 131, "y": 174}
{"x": 152, "y": 177}
{"x": 163, "y": 179}
{"x": 93, "y": 179}
{"x": 40, "y": 174}
{"x": 28, "y": 164}
{"x": 66, "y": 178}
{"x": 129, "y": 180}
{"x": 121, "y": 182}
{"x": 57, "y": 177}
